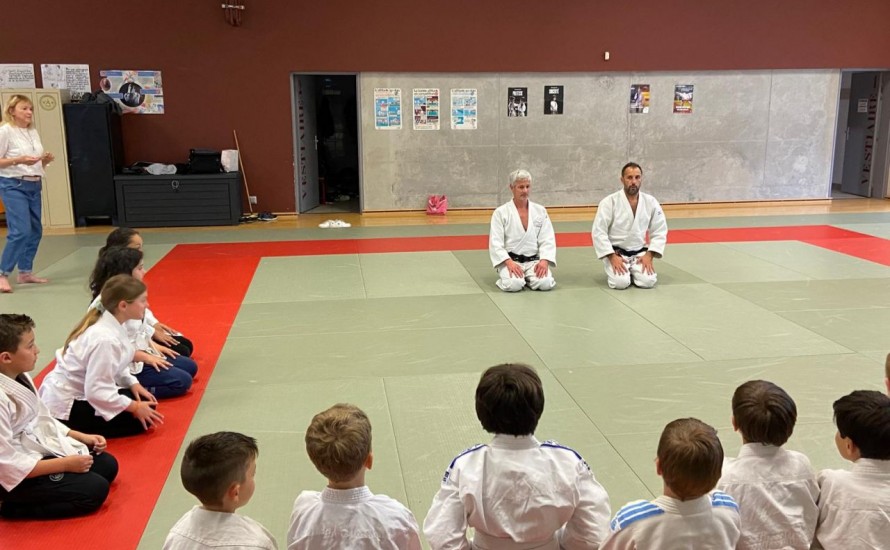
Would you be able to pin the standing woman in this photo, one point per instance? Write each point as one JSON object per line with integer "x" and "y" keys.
{"x": 22, "y": 159}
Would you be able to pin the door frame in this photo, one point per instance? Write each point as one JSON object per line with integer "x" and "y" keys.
{"x": 295, "y": 136}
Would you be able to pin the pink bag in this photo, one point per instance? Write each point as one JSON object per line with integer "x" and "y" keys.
{"x": 437, "y": 205}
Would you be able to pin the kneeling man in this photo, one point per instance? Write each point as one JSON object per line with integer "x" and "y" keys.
{"x": 619, "y": 232}
{"x": 522, "y": 244}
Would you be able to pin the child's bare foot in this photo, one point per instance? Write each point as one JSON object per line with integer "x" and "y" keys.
{"x": 4, "y": 285}
{"x": 25, "y": 278}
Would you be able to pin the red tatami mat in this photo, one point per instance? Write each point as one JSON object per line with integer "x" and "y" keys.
{"x": 198, "y": 289}
{"x": 200, "y": 298}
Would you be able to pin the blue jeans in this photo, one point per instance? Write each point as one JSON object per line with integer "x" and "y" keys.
{"x": 22, "y": 201}
{"x": 171, "y": 382}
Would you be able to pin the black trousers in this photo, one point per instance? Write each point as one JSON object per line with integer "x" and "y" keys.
{"x": 83, "y": 418}
{"x": 184, "y": 347}
{"x": 61, "y": 495}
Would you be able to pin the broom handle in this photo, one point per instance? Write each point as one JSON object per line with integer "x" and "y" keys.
{"x": 243, "y": 173}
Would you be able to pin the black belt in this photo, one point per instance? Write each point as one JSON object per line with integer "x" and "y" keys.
{"x": 628, "y": 253}
{"x": 522, "y": 259}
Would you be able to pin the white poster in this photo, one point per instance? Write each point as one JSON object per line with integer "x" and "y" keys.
{"x": 17, "y": 75}
{"x": 388, "y": 108}
{"x": 426, "y": 108}
{"x": 140, "y": 92}
{"x": 74, "y": 78}
{"x": 464, "y": 108}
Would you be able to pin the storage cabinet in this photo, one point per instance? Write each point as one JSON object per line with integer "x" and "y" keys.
{"x": 178, "y": 200}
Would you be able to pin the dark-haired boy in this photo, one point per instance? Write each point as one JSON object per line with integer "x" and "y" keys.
{"x": 854, "y": 506}
{"x": 689, "y": 514}
{"x": 219, "y": 470}
{"x": 517, "y": 492}
{"x": 46, "y": 469}
{"x": 775, "y": 488}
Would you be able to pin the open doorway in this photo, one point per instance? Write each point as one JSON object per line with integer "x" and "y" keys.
{"x": 859, "y": 166}
{"x": 326, "y": 143}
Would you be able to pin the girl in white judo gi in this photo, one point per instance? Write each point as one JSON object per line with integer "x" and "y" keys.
{"x": 775, "y": 488}
{"x": 522, "y": 244}
{"x": 163, "y": 334}
{"x": 46, "y": 470}
{"x": 619, "y": 232}
{"x": 517, "y": 492}
{"x": 159, "y": 369}
{"x": 689, "y": 514}
{"x": 91, "y": 388}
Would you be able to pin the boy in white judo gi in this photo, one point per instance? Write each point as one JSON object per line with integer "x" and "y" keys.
{"x": 46, "y": 470}
{"x": 517, "y": 492}
{"x": 689, "y": 514}
{"x": 775, "y": 488}
{"x": 346, "y": 514}
{"x": 854, "y": 505}
{"x": 521, "y": 243}
{"x": 619, "y": 232}
{"x": 220, "y": 470}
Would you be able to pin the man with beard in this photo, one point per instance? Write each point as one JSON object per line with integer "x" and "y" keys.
{"x": 619, "y": 232}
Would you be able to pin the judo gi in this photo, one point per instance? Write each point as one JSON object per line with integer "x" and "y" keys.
{"x": 709, "y": 522}
{"x": 854, "y": 506}
{"x": 351, "y": 518}
{"x": 200, "y": 528}
{"x": 776, "y": 491}
{"x": 508, "y": 236}
{"x": 518, "y": 494}
{"x": 616, "y": 229}
{"x": 28, "y": 434}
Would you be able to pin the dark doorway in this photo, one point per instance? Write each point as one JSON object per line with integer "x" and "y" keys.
{"x": 327, "y": 143}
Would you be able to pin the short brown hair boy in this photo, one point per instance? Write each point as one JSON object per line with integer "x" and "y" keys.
{"x": 690, "y": 458}
{"x": 510, "y": 399}
{"x": 338, "y": 441}
{"x": 763, "y": 412}
{"x": 212, "y": 463}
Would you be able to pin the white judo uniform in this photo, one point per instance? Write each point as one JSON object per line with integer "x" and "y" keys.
{"x": 710, "y": 522}
{"x": 93, "y": 368}
{"x": 854, "y": 507}
{"x": 538, "y": 239}
{"x": 28, "y": 432}
{"x": 351, "y": 518}
{"x": 200, "y": 528}
{"x": 518, "y": 494}
{"x": 776, "y": 491}
{"x": 616, "y": 225}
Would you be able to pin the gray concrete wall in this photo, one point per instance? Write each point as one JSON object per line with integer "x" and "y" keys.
{"x": 754, "y": 135}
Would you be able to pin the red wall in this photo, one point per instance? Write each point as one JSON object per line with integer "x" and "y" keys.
{"x": 218, "y": 78}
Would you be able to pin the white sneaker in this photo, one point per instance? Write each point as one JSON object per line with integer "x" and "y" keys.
{"x": 341, "y": 223}
{"x": 327, "y": 224}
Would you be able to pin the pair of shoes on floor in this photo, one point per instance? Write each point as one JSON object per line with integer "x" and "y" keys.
{"x": 267, "y": 217}
{"x": 334, "y": 223}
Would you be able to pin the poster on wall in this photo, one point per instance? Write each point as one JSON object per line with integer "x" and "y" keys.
{"x": 388, "y": 108}
{"x": 17, "y": 75}
{"x": 553, "y": 97}
{"x": 426, "y": 108}
{"x": 464, "y": 108}
{"x": 639, "y": 98}
{"x": 74, "y": 78}
{"x": 683, "y": 98}
{"x": 139, "y": 92}
{"x": 517, "y": 102}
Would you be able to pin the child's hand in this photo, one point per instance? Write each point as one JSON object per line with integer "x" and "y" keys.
{"x": 147, "y": 415}
{"x": 140, "y": 393}
{"x": 78, "y": 464}
{"x": 166, "y": 351}
{"x": 157, "y": 362}
{"x": 164, "y": 337}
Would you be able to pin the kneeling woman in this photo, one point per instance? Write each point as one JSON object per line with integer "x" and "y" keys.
{"x": 160, "y": 370}
{"x": 46, "y": 470}
{"x": 91, "y": 388}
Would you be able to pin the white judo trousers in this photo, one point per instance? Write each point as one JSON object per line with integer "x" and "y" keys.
{"x": 616, "y": 225}
{"x": 508, "y": 235}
